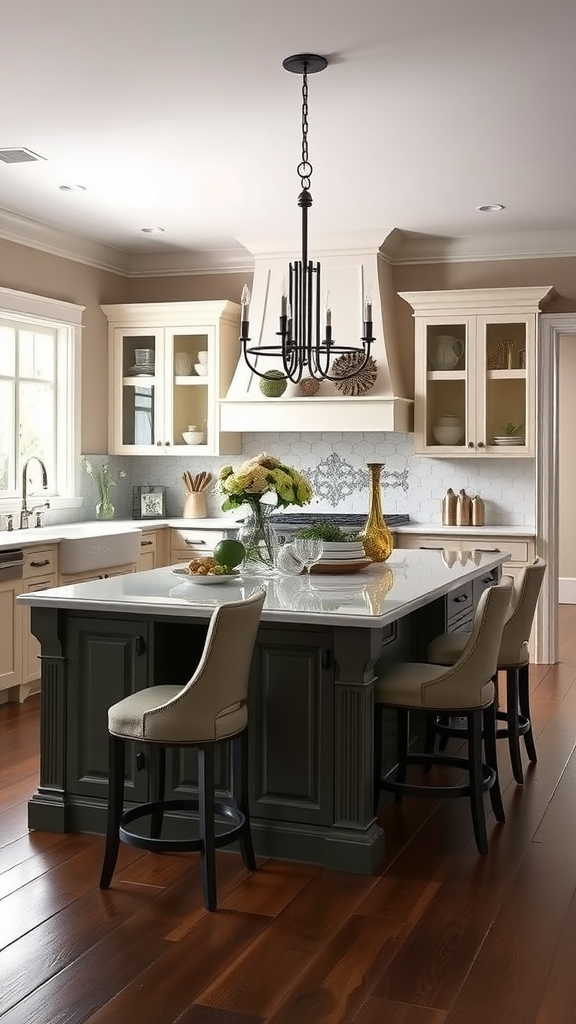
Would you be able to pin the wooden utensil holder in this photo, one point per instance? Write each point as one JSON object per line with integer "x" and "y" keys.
{"x": 195, "y": 505}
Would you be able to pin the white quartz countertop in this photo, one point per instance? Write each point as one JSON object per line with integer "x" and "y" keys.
{"x": 379, "y": 594}
{"x": 97, "y": 528}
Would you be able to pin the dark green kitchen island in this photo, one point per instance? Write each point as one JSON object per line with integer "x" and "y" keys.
{"x": 311, "y": 700}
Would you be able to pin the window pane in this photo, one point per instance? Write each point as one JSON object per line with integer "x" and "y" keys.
{"x": 38, "y": 423}
{"x": 7, "y": 471}
{"x": 7, "y": 351}
{"x": 36, "y": 353}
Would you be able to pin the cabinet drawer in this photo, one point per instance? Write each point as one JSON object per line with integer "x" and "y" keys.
{"x": 194, "y": 543}
{"x": 518, "y": 548}
{"x": 39, "y": 562}
{"x": 149, "y": 543}
{"x": 459, "y": 602}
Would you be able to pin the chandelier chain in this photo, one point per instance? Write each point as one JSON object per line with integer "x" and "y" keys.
{"x": 305, "y": 167}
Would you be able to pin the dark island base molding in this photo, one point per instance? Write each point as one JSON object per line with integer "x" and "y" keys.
{"x": 354, "y": 851}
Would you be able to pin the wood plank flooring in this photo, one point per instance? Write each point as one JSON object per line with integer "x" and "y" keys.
{"x": 438, "y": 936}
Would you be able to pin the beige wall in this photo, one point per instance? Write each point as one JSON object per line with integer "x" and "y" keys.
{"x": 28, "y": 270}
{"x": 558, "y": 273}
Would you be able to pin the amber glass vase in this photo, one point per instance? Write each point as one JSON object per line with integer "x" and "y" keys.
{"x": 376, "y": 537}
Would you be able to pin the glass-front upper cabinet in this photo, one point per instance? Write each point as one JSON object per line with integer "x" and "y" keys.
{"x": 166, "y": 380}
{"x": 475, "y": 371}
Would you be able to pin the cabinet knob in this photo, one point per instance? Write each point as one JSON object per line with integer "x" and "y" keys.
{"x": 470, "y": 444}
{"x": 326, "y": 659}
{"x": 481, "y": 444}
{"x": 159, "y": 443}
{"x": 140, "y": 645}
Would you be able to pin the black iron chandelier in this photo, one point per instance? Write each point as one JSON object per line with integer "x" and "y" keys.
{"x": 302, "y": 351}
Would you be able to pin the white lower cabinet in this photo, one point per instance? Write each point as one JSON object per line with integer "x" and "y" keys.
{"x": 521, "y": 549}
{"x": 11, "y": 619}
{"x": 197, "y": 541}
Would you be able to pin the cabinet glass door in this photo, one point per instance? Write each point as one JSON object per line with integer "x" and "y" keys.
{"x": 503, "y": 349}
{"x": 448, "y": 401}
{"x": 139, "y": 357}
{"x": 188, "y": 369}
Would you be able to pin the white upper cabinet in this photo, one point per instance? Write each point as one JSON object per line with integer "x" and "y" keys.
{"x": 169, "y": 365}
{"x": 475, "y": 371}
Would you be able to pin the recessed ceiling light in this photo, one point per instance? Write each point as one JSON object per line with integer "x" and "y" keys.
{"x": 72, "y": 188}
{"x": 152, "y": 231}
{"x": 491, "y": 208}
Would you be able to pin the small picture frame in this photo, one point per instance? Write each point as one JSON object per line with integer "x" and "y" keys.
{"x": 149, "y": 502}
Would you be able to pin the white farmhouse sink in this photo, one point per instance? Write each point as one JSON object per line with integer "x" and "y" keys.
{"x": 84, "y": 547}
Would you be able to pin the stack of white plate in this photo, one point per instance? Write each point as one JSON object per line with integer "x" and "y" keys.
{"x": 509, "y": 439}
{"x": 342, "y": 551}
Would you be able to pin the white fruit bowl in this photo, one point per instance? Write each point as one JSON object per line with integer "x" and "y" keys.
{"x": 201, "y": 369}
{"x": 448, "y": 435}
{"x": 194, "y": 436}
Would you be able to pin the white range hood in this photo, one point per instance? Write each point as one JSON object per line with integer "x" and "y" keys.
{"x": 347, "y": 275}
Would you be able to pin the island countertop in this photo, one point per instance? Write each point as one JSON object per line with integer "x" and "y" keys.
{"x": 379, "y": 594}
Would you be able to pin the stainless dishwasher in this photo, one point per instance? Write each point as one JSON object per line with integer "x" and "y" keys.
{"x": 11, "y": 564}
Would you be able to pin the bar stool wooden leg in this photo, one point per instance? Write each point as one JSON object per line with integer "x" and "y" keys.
{"x": 206, "y": 811}
{"x": 403, "y": 732}
{"x": 116, "y": 757}
{"x": 474, "y": 719}
{"x": 489, "y": 730}
{"x": 524, "y": 702}
{"x": 240, "y": 793}
{"x": 512, "y": 724}
{"x": 157, "y": 787}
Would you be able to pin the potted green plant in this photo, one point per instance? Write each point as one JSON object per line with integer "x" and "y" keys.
{"x": 338, "y": 543}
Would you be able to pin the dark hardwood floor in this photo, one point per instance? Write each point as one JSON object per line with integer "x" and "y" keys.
{"x": 439, "y": 936}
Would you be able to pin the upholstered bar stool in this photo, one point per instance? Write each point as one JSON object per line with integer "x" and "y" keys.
{"x": 210, "y": 709}
{"x": 513, "y": 659}
{"x": 467, "y": 689}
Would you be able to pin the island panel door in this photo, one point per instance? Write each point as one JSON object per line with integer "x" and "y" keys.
{"x": 110, "y": 661}
{"x": 291, "y": 726}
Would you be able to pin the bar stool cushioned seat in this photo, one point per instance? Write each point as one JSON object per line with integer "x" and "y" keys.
{"x": 211, "y": 708}
{"x": 466, "y": 688}
{"x": 513, "y": 659}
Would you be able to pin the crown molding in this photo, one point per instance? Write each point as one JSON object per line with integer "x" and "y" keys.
{"x": 68, "y": 246}
{"x": 394, "y": 245}
{"x": 522, "y": 245}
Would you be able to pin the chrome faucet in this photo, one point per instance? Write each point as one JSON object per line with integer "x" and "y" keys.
{"x": 25, "y": 512}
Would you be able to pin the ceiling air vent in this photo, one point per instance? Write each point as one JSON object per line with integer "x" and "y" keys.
{"x": 19, "y": 155}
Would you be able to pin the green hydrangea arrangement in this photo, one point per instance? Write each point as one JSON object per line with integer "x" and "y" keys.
{"x": 262, "y": 475}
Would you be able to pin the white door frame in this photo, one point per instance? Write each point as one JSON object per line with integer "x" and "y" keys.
{"x": 552, "y": 326}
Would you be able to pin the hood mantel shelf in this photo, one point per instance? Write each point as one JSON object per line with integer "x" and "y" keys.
{"x": 347, "y": 277}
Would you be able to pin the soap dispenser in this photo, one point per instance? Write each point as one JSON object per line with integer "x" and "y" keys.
{"x": 463, "y": 509}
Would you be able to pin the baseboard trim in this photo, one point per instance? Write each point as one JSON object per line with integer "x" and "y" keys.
{"x": 566, "y": 590}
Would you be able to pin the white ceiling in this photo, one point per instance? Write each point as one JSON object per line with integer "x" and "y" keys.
{"x": 178, "y": 113}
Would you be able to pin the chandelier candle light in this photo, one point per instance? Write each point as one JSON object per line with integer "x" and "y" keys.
{"x": 302, "y": 351}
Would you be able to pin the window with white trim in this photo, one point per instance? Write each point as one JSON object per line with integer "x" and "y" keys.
{"x": 39, "y": 390}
